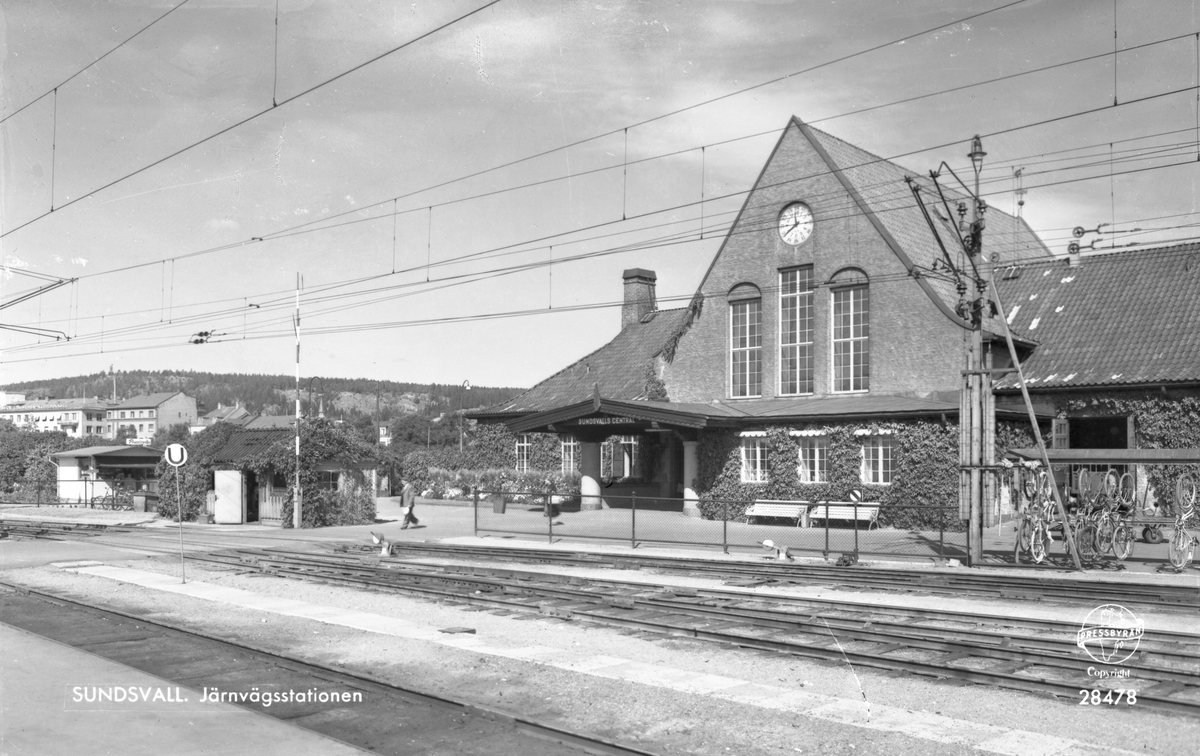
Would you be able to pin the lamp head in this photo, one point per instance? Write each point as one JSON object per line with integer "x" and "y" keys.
{"x": 977, "y": 154}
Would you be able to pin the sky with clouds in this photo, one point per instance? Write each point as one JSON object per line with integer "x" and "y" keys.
{"x": 421, "y": 192}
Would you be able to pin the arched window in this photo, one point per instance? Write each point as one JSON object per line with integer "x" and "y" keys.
{"x": 745, "y": 341}
{"x": 851, "y": 331}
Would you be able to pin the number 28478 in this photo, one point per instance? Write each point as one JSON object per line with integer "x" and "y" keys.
{"x": 1097, "y": 697}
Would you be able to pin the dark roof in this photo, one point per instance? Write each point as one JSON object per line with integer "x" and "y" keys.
{"x": 272, "y": 421}
{"x": 618, "y": 370}
{"x": 111, "y": 451}
{"x": 146, "y": 401}
{"x": 224, "y": 413}
{"x": 1122, "y": 318}
{"x": 246, "y": 443}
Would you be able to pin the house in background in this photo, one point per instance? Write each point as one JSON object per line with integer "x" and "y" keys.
{"x": 85, "y": 475}
{"x": 235, "y": 414}
{"x": 145, "y": 414}
{"x": 75, "y": 417}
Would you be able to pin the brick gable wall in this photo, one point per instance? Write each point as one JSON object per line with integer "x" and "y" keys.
{"x": 914, "y": 349}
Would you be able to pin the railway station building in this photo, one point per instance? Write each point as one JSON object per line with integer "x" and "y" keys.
{"x": 823, "y": 350}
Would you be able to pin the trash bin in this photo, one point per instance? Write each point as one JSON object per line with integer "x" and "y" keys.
{"x": 498, "y": 504}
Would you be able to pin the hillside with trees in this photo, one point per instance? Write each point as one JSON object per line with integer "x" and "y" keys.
{"x": 352, "y": 399}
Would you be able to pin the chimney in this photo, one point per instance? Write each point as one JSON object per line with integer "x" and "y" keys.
{"x": 639, "y": 295}
{"x": 1073, "y": 258}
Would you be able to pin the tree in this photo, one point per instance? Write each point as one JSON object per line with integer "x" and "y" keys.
{"x": 179, "y": 433}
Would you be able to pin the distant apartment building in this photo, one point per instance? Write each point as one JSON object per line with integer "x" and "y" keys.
{"x": 75, "y": 417}
{"x": 9, "y": 397}
{"x": 145, "y": 414}
{"x": 224, "y": 413}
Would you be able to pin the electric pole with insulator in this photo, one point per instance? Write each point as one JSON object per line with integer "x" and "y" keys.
{"x": 979, "y": 382}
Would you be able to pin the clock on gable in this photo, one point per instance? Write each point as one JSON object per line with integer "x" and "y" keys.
{"x": 795, "y": 223}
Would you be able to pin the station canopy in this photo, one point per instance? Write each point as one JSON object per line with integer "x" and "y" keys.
{"x": 116, "y": 457}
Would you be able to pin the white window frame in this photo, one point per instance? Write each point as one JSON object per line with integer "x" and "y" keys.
{"x": 804, "y": 298}
{"x": 630, "y": 451}
{"x": 851, "y": 340}
{"x": 755, "y": 468}
{"x": 813, "y": 452}
{"x": 570, "y": 454}
{"x": 753, "y": 351}
{"x": 524, "y": 447}
{"x": 877, "y": 459}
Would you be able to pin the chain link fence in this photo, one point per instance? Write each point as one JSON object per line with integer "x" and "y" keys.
{"x": 801, "y": 527}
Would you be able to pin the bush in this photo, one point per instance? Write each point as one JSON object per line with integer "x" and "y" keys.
{"x": 328, "y": 508}
{"x": 193, "y": 490}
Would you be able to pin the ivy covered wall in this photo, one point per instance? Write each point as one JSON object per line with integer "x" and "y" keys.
{"x": 1161, "y": 420}
{"x": 924, "y": 463}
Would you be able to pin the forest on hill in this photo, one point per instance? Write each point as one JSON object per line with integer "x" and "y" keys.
{"x": 349, "y": 398}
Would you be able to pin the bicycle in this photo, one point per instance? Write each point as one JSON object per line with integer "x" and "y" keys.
{"x": 1113, "y": 531}
{"x": 1033, "y": 534}
{"x": 1183, "y": 544}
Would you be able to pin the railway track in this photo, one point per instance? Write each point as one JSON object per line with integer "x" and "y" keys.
{"x": 389, "y": 718}
{"x": 1024, "y": 654}
{"x": 1035, "y": 587}
{"x": 955, "y": 582}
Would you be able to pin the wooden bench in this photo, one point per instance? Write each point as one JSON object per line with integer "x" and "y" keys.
{"x": 845, "y": 510}
{"x": 797, "y": 511}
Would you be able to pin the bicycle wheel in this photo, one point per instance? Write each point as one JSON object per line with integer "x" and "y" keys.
{"x": 1127, "y": 490}
{"x": 1179, "y": 550}
{"x": 1122, "y": 541}
{"x": 1037, "y": 542}
{"x": 1111, "y": 484}
{"x": 1085, "y": 541}
{"x": 1185, "y": 493}
{"x": 1106, "y": 529}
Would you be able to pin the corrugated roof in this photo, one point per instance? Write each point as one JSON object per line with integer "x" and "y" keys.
{"x": 1129, "y": 317}
{"x": 146, "y": 401}
{"x": 618, "y": 369}
{"x": 247, "y": 443}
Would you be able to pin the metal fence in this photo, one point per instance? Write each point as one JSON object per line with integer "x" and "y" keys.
{"x": 638, "y": 520}
{"x": 140, "y": 495}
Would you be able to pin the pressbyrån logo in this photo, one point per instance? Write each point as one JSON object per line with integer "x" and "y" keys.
{"x": 1110, "y": 634}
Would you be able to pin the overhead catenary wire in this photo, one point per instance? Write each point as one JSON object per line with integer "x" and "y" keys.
{"x": 94, "y": 62}
{"x": 250, "y": 118}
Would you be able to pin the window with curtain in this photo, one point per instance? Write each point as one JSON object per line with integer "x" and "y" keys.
{"x": 754, "y": 460}
{"x": 570, "y": 455}
{"x": 877, "y": 455}
{"x": 523, "y": 448}
{"x": 814, "y": 459}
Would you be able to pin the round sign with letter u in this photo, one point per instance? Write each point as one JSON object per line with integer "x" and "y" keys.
{"x": 176, "y": 455}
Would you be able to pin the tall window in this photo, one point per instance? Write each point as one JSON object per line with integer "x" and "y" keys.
{"x": 523, "y": 448}
{"x": 570, "y": 455}
{"x": 851, "y": 364}
{"x": 796, "y": 331}
{"x": 619, "y": 457}
{"x": 877, "y": 460}
{"x": 754, "y": 460}
{"x": 814, "y": 459}
{"x": 745, "y": 340}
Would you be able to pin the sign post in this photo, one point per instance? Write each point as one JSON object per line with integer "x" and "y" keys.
{"x": 176, "y": 455}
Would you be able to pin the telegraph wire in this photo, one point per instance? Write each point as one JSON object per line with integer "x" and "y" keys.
{"x": 94, "y": 62}
{"x": 248, "y": 119}
{"x": 283, "y": 233}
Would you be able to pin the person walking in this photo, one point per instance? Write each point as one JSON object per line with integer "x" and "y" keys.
{"x": 408, "y": 504}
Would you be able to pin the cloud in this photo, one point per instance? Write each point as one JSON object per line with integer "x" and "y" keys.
{"x": 222, "y": 224}
{"x": 80, "y": 261}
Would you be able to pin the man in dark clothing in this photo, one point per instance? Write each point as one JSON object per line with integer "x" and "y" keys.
{"x": 408, "y": 504}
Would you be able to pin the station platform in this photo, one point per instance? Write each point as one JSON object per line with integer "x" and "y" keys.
{"x": 45, "y": 709}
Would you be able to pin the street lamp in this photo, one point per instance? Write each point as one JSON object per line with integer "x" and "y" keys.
{"x": 466, "y": 385}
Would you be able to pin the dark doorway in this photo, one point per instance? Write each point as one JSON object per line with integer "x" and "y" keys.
{"x": 251, "y": 482}
{"x": 1099, "y": 433}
